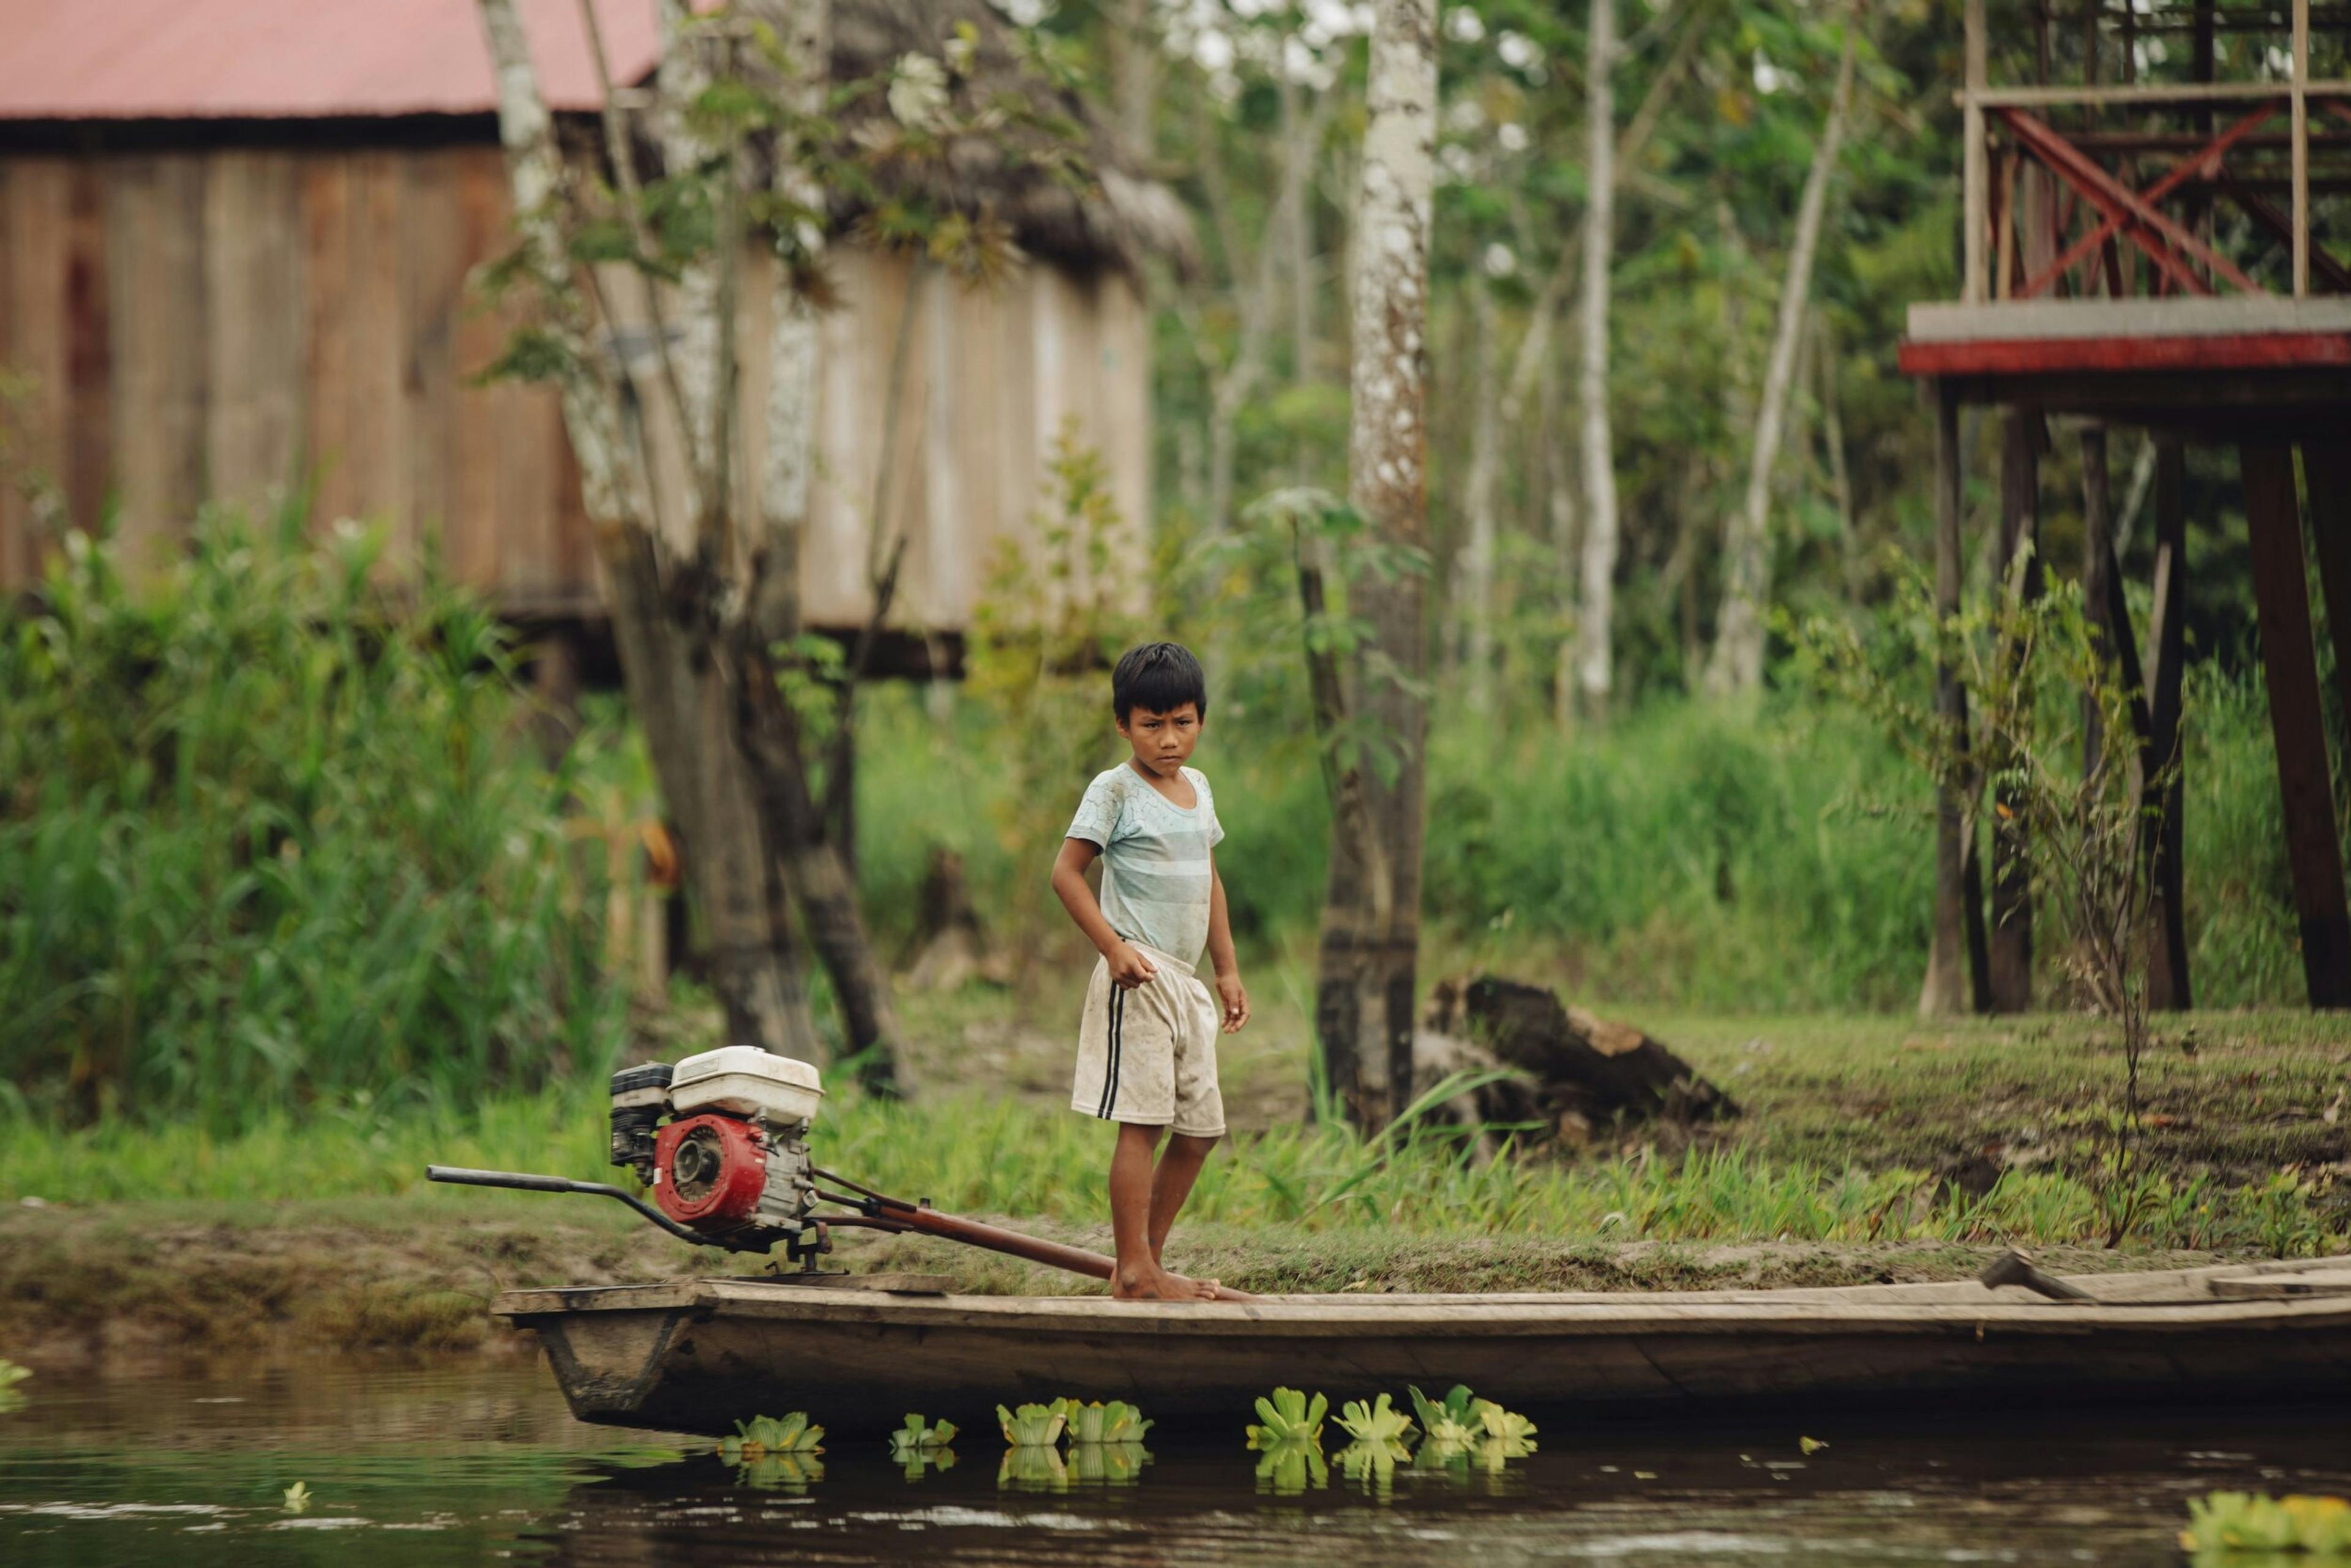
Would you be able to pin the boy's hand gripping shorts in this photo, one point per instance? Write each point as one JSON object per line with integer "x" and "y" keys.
{"x": 1148, "y": 1056}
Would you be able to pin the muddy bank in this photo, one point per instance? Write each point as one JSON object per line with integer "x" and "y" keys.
{"x": 133, "y": 1284}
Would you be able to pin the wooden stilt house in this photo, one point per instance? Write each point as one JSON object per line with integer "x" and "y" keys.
{"x": 2157, "y": 238}
{"x": 236, "y": 245}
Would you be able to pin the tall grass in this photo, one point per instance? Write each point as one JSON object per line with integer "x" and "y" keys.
{"x": 269, "y": 840}
{"x": 1688, "y": 855}
{"x": 267, "y": 837}
{"x": 993, "y": 1155}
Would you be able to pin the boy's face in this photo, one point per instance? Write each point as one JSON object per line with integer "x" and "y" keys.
{"x": 1162, "y": 742}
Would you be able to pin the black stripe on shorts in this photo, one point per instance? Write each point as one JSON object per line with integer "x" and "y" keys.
{"x": 1117, "y": 1008}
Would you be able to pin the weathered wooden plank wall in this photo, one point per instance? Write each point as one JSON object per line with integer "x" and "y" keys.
{"x": 185, "y": 327}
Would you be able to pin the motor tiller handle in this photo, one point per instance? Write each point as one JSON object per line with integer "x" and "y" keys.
{"x": 527, "y": 1182}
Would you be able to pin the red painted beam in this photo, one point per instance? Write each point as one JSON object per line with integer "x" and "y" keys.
{"x": 2218, "y": 352}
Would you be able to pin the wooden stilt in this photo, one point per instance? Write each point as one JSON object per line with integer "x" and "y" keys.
{"x": 2012, "y": 878}
{"x": 2282, "y": 598}
{"x": 1946, "y": 991}
{"x": 2098, "y": 563}
{"x": 2327, "y": 473}
{"x": 2167, "y": 660}
{"x": 555, "y": 683}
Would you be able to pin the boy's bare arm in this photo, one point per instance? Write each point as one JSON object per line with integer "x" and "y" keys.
{"x": 1128, "y": 966}
{"x": 1231, "y": 995}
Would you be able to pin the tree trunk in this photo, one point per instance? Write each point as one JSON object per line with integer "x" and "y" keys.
{"x": 1302, "y": 139}
{"x": 1738, "y": 664}
{"x": 1477, "y": 570}
{"x": 1594, "y": 670}
{"x": 1363, "y": 993}
{"x": 1135, "y": 69}
{"x": 701, "y": 771}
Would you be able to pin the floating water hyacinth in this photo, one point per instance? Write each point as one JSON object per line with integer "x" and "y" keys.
{"x": 762, "y": 1435}
{"x": 1504, "y": 1426}
{"x": 2226, "y": 1526}
{"x": 1288, "y": 1418}
{"x": 297, "y": 1497}
{"x": 1376, "y": 1422}
{"x": 1032, "y": 1425}
{"x": 918, "y": 1446}
{"x": 915, "y": 1437}
{"x": 1116, "y": 1422}
{"x": 1449, "y": 1424}
{"x": 1108, "y": 1464}
{"x": 1287, "y": 1466}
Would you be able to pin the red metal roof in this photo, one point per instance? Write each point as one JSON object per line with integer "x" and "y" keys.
{"x": 208, "y": 59}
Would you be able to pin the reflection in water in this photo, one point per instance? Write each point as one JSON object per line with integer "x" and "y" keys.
{"x": 468, "y": 1465}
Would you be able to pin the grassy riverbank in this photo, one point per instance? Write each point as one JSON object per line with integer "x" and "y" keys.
{"x": 145, "y": 1282}
{"x": 1868, "y": 1148}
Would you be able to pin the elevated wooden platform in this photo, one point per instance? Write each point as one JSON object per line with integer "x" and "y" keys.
{"x": 2214, "y": 368}
{"x": 2148, "y": 241}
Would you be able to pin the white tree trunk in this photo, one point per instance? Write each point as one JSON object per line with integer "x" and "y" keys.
{"x": 805, "y": 29}
{"x": 1370, "y": 928}
{"x": 1594, "y": 670}
{"x": 704, "y": 352}
{"x": 1737, "y": 662}
{"x": 1477, "y": 569}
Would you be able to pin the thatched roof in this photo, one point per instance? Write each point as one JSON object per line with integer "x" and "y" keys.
{"x": 1119, "y": 217}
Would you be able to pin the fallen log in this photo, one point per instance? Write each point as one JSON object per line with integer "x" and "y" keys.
{"x": 1578, "y": 1072}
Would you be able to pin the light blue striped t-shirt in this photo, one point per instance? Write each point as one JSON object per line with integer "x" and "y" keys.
{"x": 1155, "y": 870}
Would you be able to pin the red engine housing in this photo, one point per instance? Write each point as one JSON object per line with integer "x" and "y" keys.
{"x": 719, "y": 1199}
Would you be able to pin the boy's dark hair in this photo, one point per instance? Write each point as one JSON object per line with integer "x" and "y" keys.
{"x": 1159, "y": 676}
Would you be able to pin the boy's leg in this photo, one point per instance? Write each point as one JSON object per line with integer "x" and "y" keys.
{"x": 1171, "y": 1184}
{"x": 1139, "y": 1275}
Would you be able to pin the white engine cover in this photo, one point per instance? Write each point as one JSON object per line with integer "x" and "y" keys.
{"x": 747, "y": 1081}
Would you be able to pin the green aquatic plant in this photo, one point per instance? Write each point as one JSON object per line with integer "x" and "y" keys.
{"x": 1288, "y": 1418}
{"x": 11, "y": 1396}
{"x": 918, "y": 1446}
{"x": 763, "y": 1435}
{"x": 1033, "y": 1426}
{"x": 1449, "y": 1424}
{"x": 1033, "y": 1466}
{"x": 1108, "y": 1464}
{"x": 1503, "y": 1426}
{"x": 915, "y": 1437}
{"x": 1371, "y": 1463}
{"x": 1376, "y": 1422}
{"x": 1116, "y": 1422}
{"x": 2222, "y": 1525}
{"x": 1288, "y": 1466}
{"x": 297, "y": 1497}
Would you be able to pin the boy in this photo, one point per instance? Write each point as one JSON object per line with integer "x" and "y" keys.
{"x": 1147, "y": 1044}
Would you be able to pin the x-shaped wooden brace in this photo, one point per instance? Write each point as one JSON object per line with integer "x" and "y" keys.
{"x": 2133, "y": 213}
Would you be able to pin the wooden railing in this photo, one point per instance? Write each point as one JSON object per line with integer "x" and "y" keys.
{"x": 2093, "y": 224}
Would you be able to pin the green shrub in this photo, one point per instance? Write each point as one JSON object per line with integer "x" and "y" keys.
{"x": 267, "y": 837}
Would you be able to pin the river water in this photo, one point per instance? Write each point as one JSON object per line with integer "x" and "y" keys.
{"x": 473, "y": 1464}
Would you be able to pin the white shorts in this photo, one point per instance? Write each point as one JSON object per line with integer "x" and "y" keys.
{"x": 1148, "y": 1056}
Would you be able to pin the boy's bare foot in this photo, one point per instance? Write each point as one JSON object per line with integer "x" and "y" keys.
{"x": 1158, "y": 1284}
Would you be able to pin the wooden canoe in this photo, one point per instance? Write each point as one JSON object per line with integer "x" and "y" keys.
{"x": 698, "y": 1355}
